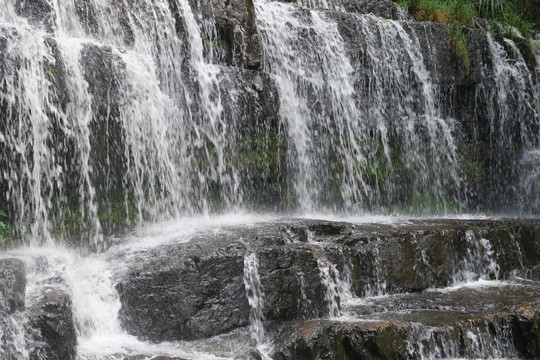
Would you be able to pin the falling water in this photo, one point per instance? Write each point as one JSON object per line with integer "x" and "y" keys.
{"x": 349, "y": 146}
{"x": 530, "y": 181}
{"x": 515, "y": 121}
{"x": 252, "y": 282}
{"x": 478, "y": 342}
{"x": 101, "y": 116}
{"x": 478, "y": 262}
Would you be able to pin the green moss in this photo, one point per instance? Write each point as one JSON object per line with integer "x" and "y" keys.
{"x": 260, "y": 150}
{"x": 473, "y": 171}
{"x": 459, "y": 12}
{"x": 522, "y": 14}
{"x": 422, "y": 202}
{"x": 5, "y": 234}
{"x": 459, "y": 44}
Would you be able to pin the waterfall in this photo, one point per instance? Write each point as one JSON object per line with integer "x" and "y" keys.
{"x": 515, "y": 121}
{"x": 349, "y": 147}
{"x": 478, "y": 263}
{"x": 530, "y": 180}
{"x": 315, "y": 89}
{"x": 100, "y": 118}
{"x": 116, "y": 113}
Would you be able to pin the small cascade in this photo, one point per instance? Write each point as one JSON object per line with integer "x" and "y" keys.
{"x": 338, "y": 288}
{"x": 472, "y": 340}
{"x": 530, "y": 181}
{"x": 377, "y": 285}
{"x": 515, "y": 120}
{"x": 328, "y": 279}
{"x": 88, "y": 281}
{"x": 337, "y": 284}
{"x": 254, "y": 293}
{"x": 13, "y": 343}
{"x": 478, "y": 262}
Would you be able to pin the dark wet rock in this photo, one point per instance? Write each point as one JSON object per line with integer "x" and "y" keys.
{"x": 237, "y": 32}
{"x": 117, "y": 10}
{"x": 12, "y": 285}
{"x": 279, "y": 268}
{"x": 470, "y": 323}
{"x": 190, "y": 290}
{"x": 338, "y": 340}
{"x": 197, "y": 290}
{"x": 51, "y": 326}
{"x": 534, "y": 273}
{"x": 185, "y": 297}
{"x": 525, "y": 330}
{"x": 39, "y": 13}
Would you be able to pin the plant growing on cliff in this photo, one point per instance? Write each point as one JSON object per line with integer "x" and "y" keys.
{"x": 51, "y": 73}
{"x": 493, "y": 8}
{"x": 460, "y": 47}
{"x": 443, "y": 11}
{"x": 4, "y": 229}
{"x": 523, "y": 14}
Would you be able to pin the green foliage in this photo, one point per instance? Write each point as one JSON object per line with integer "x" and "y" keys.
{"x": 493, "y": 9}
{"x": 51, "y": 73}
{"x": 459, "y": 12}
{"x": 517, "y": 21}
{"x": 460, "y": 47}
{"x": 522, "y": 14}
{"x": 4, "y": 229}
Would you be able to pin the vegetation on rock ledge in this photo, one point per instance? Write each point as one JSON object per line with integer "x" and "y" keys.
{"x": 522, "y": 14}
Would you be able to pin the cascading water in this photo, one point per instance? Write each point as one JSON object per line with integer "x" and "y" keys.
{"x": 101, "y": 116}
{"x": 254, "y": 293}
{"x": 431, "y": 343}
{"x": 515, "y": 121}
{"x": 120, "y": 113}
{"x": 346, "y": 143}
{"x": 478, "y": 262}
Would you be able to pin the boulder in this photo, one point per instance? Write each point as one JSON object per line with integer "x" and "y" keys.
{"x": 51, "y": 326}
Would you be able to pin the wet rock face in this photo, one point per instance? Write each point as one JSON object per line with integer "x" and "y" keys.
{"x": 52, "y": 326}
{"x": 197, "y": 291}
{"x": 38, "y": 12}
{"x": 185, "y": 297}
{"x": 12, "y": 285}
{"x": 464, "y": 323}
{"x": 236, "y": 28}
{"x": 43, "y": 327}
{"x": 333, "y": 340}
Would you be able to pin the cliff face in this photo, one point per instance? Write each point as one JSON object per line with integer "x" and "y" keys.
{"x": 120, "y": 111}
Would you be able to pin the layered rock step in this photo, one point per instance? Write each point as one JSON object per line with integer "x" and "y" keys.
{"x": 285, "y": 289}
{"x": 309, "y": 270}
{"x": 490, "y": 320}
